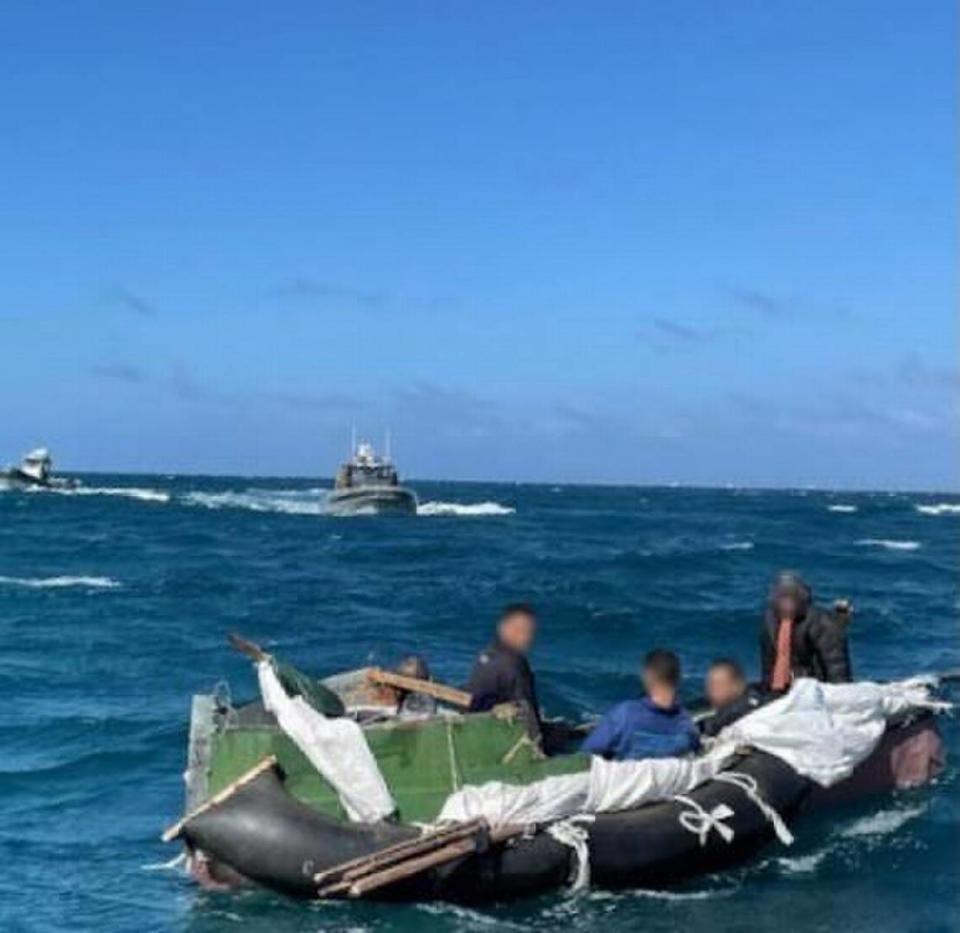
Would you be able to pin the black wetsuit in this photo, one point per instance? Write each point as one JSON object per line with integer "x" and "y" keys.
{"x": 720, "y": 718}
{"x": 501, "y": 675}
{"x": 819, "y": 647}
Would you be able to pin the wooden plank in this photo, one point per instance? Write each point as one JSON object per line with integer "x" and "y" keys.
{"x": 412, "y": 867}
{"x": 391, "y": 854}
{"x": 369, "y": 873}
{"x": 173, "y": 831}
{"x": 429, "y": 843}
{"x": 450, "y": 695}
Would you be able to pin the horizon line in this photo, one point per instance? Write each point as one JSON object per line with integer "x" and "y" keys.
{"x": 611, "y": 484}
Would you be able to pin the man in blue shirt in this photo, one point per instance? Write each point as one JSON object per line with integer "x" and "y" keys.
{"x": 653, "y": 727}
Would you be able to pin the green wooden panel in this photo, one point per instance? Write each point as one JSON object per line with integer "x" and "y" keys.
{"x": 422, "y": 762}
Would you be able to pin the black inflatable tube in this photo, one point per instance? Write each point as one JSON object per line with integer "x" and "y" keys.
{"x": 270, "y": 837}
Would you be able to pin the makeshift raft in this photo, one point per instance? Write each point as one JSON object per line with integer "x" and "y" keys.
{"x": 259, "y": 811}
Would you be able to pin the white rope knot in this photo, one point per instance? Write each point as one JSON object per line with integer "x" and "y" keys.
{"x": 572, "y": 833}
{"x": 748, "y": 784}
{"x": 699, "y": 821}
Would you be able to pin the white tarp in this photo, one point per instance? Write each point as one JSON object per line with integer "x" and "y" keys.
{"x": 822, "y": 731}
{"x": 607, "y": 786}
{"x": 825, "y": 730}
{"x": 335, "y": 747}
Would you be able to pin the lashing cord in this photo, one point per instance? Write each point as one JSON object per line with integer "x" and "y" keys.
{"x": 700, "y": 821}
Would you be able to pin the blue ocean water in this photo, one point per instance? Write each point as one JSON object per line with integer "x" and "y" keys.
{"x": 115, "y": 601}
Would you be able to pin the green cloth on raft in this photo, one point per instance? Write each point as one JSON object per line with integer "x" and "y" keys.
{"x": 314, "y": 693}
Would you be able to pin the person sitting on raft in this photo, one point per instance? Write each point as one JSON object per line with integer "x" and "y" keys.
{"x": 799, "y": 639}
{"x": 502, "y": 673}
{"x": 412, "y": 705}
{"x": 729, "y": 695}
{"x": 656, "y": 726}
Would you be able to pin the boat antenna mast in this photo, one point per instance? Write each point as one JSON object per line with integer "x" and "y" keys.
{"x": 353, "y": 441}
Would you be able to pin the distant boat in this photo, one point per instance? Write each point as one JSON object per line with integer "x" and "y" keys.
{"x": 368, "y": 485}
{"x": 35, "y": 472}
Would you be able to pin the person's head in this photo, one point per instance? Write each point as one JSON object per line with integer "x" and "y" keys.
{"x": 790, "y": 596}
{"x": 661, "y": 675}
{"x": 726, "y": 682}
{"x": 413, "y": 666}
{"x": 517, "y": 627}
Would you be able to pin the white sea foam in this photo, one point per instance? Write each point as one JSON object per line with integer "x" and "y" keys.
{"x": 43, "y": 583}
{"x": 130, "y": 492}
{"x": 288, "y": 502}
{"x": 841, "y": 507}
{"x": 177, "y": 864}
{"x": 466, "y": 510}
{"x": 884, "y": 822}
{"x": 889, "y": 544}
{"x": 468, "y": 918}
{"x": 939, "y": 508}
{"x": 315, "y": 502}
{"x": 737, "y": 546}
{"x": 654, "y": 894}
{"x": 802, "y": 864}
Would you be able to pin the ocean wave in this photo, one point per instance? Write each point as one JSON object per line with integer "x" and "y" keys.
{"x": 43, "y": 583}
{"x": 468, "y": 918}
{"x": 130, "y": 492}
{"x": 842, "y": 507}
{"x": 315, "y": 502}
{"x": 287, "y": 502}
{"x": 889, "y": 544}
{"x": 883, "y": 823}
{"x": 802, "y": 864}
{"x": 939, "y": 508}
{"x": 463, "y": 509}
{"x": 176, "y": 864}
{"x": 737, "y": 546}
{"x": 656, "y": 894}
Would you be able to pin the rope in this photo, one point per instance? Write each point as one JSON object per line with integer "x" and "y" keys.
{"x": 523, "y": 740}
{"x": 748, "y": 784}
{"x": 571, "y": 832}
{"x": 699, "y": 821}
{"x": 454, "y": 771}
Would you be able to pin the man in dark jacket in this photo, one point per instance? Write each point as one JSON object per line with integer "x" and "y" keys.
{"x": 502, "y": 674}
{"x": 729, "y": 695}
{"x": 799, "y": 639}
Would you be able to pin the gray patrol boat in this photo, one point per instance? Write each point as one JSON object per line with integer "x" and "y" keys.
{"x": 368, "y": 484}
{"x": 35, "y": 472}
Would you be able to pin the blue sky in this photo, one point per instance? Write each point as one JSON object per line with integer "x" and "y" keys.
{"x": 639, "y": 242}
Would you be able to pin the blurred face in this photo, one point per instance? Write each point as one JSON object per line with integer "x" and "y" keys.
{"x": 656, "y": 687}
{"x": 787, "y": 607}
{"x": 649, "y": 681}
{"x": 723, "y": 686}
{"x": 517, "y": 631}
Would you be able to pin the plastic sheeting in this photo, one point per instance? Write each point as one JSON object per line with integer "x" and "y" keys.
{"x": 608, "y": 786}
{"x": 335, "y": 747}
{"x": 822, "y": 731}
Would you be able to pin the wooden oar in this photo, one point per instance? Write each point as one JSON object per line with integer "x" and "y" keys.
{"x": 375, "y": 675}
{"x": 450, "y": 695}
{"x": 249, "y": 648}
